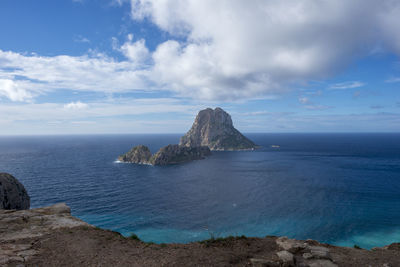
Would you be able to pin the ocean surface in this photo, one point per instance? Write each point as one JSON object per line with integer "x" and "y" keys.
{"x": 343, "y": 189}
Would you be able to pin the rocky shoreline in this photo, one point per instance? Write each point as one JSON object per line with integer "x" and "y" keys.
{"x": 50, "y": 236}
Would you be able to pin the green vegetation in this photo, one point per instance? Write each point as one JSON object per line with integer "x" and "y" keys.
{"x": 134, "y": 237}
{"x": 148, "y": 243}
{"x": 357, "y": 247}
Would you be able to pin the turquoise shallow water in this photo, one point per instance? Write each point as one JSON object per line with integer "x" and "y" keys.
{"x": 342, "y": 189}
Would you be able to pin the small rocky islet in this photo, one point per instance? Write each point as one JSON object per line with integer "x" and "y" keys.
{"x": 170, "y": 154}
{"x": 212, "y": 130}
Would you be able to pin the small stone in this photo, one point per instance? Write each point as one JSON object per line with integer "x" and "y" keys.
{"x": 286, "y": 257}
{"x": 318, "y": 248}
{"x": 322, "y": 263}
{"x": 27, "y": 253}
{"x": 393, "y": 246}
{"x": 290, "y": 245}
{"x": 264, "y": 263}
{"x": 312, "y": 242}
{"x": 8, "y": 260}
{"x": 320, "y": 253}
{"x": 60, "y": 208}
{"x": 307, "y": 256}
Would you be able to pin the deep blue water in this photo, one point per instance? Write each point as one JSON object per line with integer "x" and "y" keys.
{"x": 342, "y": 189}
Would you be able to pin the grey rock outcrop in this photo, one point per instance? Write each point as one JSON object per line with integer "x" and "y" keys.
{"x": 170, "y": 154}
{"x": 139, "y": 154}
{"x": 214, "y": 128}
{"x": 18, "y": 226}
{"x": 13, "y": 195}
{"x": 174, "y": 154}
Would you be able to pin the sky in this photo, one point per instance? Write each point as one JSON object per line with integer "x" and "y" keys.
{"x": 148, "y": 66}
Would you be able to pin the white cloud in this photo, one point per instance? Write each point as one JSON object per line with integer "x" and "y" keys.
{"x": 126, "y": 115}
{"x": 308, "y": 104}
{"x": 317, "y": 107}
{"x": 83, "y": 73}
{"x": 304, "y": 100}
{"x": 237, "y": 49}
{"x": 76, "y": 105}
{"x": 255, "y": 113}
{"x": 377, "y": 107}
{"x": 347, "y": 85}
{"x": 226, "y": 50}
{"x": 81, "y": 39}
{"x": 13, "y": 90}
{"x": 393, "y": 80}
{"x": 51, "y": 112}
{"x": 136, "y": 52}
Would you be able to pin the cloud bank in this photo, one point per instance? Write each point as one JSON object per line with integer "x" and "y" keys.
{"x": 219, "y": 50}
{"x": 236, "y": 49}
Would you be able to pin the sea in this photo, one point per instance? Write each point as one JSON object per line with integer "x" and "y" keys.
{"x": 342, "y": 189}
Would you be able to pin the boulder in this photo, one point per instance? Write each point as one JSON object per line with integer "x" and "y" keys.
{"x": 214, "y": 128}
{"x": 286, "y": 257}
{"x": 322, "y": 263}
{"x": 291, "y": 245}
{"x": 319, "y": 252}
{"x": 13, "y": 195}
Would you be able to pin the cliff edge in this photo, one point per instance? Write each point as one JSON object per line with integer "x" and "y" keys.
{"x": 52, "y": 237}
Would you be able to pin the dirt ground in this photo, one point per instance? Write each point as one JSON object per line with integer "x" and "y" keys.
{"x": 87, "y": 246}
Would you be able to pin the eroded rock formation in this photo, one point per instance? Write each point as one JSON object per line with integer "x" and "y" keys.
{"x": 170, "y": 154}
{"x": 214, "y": 128}
{"x": 139, "y": 154}
{"x": 174, "y": 154}
{"x": 13, "y": 195}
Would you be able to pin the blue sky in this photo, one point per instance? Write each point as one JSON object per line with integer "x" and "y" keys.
{"x": 143, "y": 66}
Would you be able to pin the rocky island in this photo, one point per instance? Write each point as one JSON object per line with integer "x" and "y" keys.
{"x": 214, "y": 128}
{"x": 139, "y": 154}
{"x": 170, "y": 154}
{"x": 211, "y": 130}
{"x": 174, "y": 154}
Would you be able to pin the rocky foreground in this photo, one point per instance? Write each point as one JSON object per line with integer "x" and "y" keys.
{"x": 52, "y": 237}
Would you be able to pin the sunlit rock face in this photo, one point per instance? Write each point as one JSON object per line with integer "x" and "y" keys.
{"x": 214, "y": 128}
